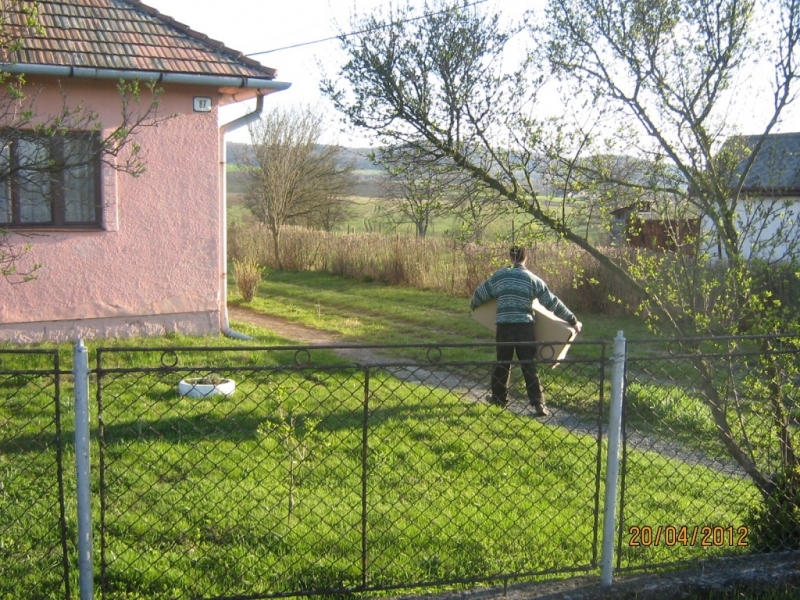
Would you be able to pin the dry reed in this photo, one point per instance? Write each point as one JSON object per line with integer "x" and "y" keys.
{"x": 432, "y": 263}
{"x": 247, "y": 273}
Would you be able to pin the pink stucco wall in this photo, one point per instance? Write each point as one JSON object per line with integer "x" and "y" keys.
{"x": 156, "y": 265}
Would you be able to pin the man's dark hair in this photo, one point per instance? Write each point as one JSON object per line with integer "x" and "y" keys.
{"x": 517, "y": 254}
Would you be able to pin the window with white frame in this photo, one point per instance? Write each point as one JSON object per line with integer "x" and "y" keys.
{"x": 50, "y": 181}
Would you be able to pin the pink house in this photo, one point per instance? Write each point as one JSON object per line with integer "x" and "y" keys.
{"x": 124, "y": 255}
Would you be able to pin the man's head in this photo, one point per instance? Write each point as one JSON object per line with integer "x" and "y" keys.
{"x": 517, "y": 254}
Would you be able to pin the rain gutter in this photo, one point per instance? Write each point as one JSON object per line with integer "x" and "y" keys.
{"x": 155, "y": 76}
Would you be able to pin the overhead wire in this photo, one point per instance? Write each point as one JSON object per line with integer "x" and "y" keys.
{"x": 336, "y": 37}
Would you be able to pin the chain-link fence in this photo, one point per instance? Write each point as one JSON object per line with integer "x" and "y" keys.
{"x": 328, "y": 470}
{"x": 34, "y": 554}
{"x": 710, "y": 431}
{"x": 321, "y": 476}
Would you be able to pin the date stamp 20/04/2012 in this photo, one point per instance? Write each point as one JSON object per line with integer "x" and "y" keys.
{"x": 709, "y": 536}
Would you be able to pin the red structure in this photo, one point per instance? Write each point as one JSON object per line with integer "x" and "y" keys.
{"x": 639, "y": 229}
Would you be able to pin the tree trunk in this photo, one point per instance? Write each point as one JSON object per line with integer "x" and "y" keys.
{"x": 763, "y": 482}
{"x": 276, "y": 245}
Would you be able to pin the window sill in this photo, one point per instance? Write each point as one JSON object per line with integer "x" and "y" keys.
{"x": 13, "y": 230}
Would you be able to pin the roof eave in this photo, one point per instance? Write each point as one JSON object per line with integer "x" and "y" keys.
{"x": 771, "y": 192}
{"x": 220, "y": 81}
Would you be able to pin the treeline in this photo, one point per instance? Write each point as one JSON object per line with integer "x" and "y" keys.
{"x": 429, "y": 263}
{"x": 243, "y": 154}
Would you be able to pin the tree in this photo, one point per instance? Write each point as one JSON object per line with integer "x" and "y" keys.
{"x": 296, "y": 178}
{"x": 653, "y": 81}
{"x": 415, "y": 190}
{"x": 672, "y": 68}
{"x": 438, "y": 85}
{"x": 39, "y": 150}
{"x": 475, "y": 208}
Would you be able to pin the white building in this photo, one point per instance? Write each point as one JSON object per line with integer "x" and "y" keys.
{"x": 768, "y": 208}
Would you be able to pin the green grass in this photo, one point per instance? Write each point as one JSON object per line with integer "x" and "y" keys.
{"x": 262, "y": 491}
{"x": 198, "y": 492}
{"x": 370, "y": 313}
{"x": 452, "y": 488}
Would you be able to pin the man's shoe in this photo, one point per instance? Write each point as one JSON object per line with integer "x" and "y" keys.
{"x": 496, "y": 401}
{"x": 540, "y": 410}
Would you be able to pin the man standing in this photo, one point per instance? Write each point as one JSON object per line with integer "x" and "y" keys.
{"x": 515, "y": 288}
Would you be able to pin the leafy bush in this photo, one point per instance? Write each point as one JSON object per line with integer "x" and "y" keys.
{"x": 782, "y": 281}
{"x": 774, "y": 524}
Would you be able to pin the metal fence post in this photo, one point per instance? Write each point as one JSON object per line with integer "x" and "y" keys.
{"x": 612, "y": 465}
{"x": 80, "y": 370}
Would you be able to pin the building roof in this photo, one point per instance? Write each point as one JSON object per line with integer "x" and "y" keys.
{"x": 126, "y": 35}
{"x": 777, "y": 166}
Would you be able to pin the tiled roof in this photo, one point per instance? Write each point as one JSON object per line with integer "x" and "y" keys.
{"x": 128, "y": 35}
{"x": 777, "y": 166}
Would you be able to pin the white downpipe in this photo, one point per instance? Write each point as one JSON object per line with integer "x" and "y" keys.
{"x": 612, "y": 466}
{"x": 232, "y": 126}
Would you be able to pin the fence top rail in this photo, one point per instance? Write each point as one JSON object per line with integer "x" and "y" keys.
{"x": 696, "y": 355}
{"x": 714, "y": 338}
{"x": 434, "y": 355}
{"x": 305, "y": 366}
{"x": 712, "y": 347}
{"x": 39, "y": 351}
{"x": 32, "y": 362}
{"x": 343, "y": 346}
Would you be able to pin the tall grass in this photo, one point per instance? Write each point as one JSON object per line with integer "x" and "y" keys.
{"x": 247, "y": 274}
{"x": 433, "y": 263}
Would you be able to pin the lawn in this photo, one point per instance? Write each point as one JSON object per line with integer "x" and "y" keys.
{"x": 294, "y": 484}
{"x": 370, "y": 313}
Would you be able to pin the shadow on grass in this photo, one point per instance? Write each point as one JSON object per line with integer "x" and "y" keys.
{"x": 234, "y": 427}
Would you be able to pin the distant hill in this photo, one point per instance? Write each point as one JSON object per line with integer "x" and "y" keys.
{"x": 242, "y": 154}
{"x": 367, "y": 173}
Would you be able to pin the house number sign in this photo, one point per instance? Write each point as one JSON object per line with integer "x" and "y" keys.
{"x": 202, "y": 104}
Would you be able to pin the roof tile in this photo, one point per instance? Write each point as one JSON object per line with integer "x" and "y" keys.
{"x": 777, "y": 166}
{"x": 127, "y": 35}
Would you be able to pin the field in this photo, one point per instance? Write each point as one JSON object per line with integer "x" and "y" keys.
{"x": 365, "y": 216}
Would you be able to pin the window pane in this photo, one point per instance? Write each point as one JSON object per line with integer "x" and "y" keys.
{"x": 79, "y": 181}
{"x": 34, "y": 183}
{"x": 5, "y": 185}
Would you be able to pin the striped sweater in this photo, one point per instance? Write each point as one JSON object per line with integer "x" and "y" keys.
{"x": 515, "y": 289}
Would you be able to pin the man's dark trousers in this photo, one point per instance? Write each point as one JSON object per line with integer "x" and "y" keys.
{"x": 515, "y": 332}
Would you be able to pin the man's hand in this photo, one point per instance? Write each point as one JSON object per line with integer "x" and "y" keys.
{"x": 578, "y": 326}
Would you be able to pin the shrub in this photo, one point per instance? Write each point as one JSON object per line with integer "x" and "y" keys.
{"x": 782, "y": 282}
{"x": 247, "y": 273}
{"x": 774, "y": 525}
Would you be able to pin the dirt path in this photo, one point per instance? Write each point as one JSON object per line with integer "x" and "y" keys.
{"x": 470, "y": 391}
{"x": 282, "y": 327}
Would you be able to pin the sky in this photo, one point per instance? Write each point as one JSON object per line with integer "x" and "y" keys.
{"x": 255, "y": 26}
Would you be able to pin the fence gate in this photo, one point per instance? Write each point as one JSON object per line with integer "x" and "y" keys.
{"x": 34, "y": 550}
{"x": 326, "y": 473}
